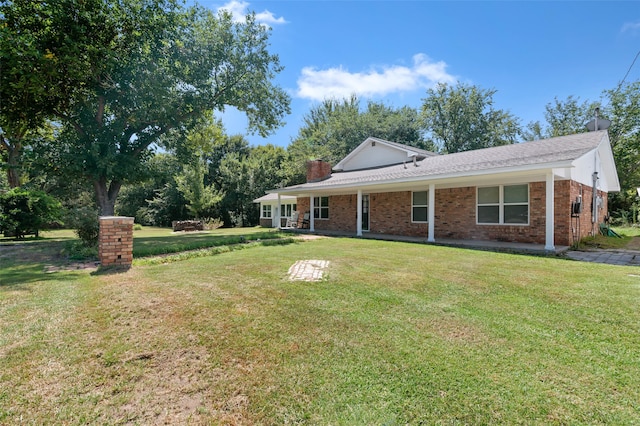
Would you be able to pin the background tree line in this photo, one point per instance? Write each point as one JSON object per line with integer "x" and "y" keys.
{"x": 108, "y": 106}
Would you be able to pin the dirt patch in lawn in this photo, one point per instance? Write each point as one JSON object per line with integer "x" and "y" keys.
{"x": 74, "y": 266}
{"x": 634, "y": 244}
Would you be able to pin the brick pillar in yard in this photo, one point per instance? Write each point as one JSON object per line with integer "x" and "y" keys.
{"x": 115, "y": 241}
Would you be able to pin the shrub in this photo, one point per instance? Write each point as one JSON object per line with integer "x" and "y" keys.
{"x": 85, "y": 222}
{"x": 210, "y": 223}
{"x": 28, "y": 212}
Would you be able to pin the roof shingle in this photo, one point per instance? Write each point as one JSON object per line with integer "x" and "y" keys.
{"x": 564, "y": 149}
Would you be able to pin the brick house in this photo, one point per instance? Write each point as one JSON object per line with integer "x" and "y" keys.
{"x": 550, "y": 192}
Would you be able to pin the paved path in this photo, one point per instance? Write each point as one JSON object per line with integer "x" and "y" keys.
{"x": 308, "y": 270}
{"x": 611, "y": 257}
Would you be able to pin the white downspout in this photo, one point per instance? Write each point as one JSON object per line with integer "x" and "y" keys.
{"x": 359, "y": 215}
{"x": 549, "y": 220}
{"x": 431, "y": 207}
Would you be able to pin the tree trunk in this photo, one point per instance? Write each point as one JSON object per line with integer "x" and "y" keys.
{"x": 13, "y": 165}
{"x": 106, "y": 196}
{"x": 13, "y": 176}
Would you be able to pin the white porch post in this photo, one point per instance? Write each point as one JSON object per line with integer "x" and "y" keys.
{"x": 278, "y": 213}
{"x": 549, "y": 220}
{"x": 359, "y": 215}
{"x": 431, "y": 207}
{"x": 311, "y": 218}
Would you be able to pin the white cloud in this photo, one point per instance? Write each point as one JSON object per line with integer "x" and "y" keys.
{"x": 630, "y": 27}
{"x": 340, "y": 83}
{"x": 240, "y": 9}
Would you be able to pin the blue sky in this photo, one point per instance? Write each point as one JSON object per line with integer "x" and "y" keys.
{"x": 393, "y": 51}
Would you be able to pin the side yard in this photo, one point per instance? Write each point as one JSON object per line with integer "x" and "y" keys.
{"x": 395, "y": 333}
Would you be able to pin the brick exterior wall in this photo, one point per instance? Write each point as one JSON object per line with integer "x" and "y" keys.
{"x": 115, "y": 241}
{"x": 318, "y": 170}
{"x": 390, "y": 213}
{"x": 266, "y": 222}
{"x": 571, "y": 229}
{"x": 342, "y": 213}
{"x": 455, "y": 215}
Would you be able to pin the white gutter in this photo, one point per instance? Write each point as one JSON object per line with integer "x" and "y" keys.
{"x": 313, "y": 188}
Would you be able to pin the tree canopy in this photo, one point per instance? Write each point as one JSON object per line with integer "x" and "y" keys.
{"x": 462, "y": 118}
{"x": 334, "y": 128}
{"x": 623, "y": 110}
{"x": 120, "y": 74}
{"x": 562, "y": 118}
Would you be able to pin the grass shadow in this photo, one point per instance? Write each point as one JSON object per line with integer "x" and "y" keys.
{"x": 24, "y": 273}
{"x": 110, "y": 270}
{"x": 33, "y": 240}
{"x": 175, "y": 243}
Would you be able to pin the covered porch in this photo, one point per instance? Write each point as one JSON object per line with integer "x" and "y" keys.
{"x": 447, "y": 211}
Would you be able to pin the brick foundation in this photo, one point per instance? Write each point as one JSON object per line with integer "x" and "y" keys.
{"x": 115, "y": 241}
{"x": 455, "y": 215}
{"x": 266, "y": 222}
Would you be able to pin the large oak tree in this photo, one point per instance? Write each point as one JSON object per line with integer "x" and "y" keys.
{"x": 119, "y": 74}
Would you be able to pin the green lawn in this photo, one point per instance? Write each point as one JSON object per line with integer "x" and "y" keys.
{"x": 396, "y": 334}
{"x": 151, "y": 241}
{"x": 154, "y": 241}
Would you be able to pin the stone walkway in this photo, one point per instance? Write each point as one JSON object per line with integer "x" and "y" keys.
{"x": 308, "y": 270}
{"x": 611, "y": 257}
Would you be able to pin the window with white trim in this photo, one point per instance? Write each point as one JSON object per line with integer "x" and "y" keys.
{"x": 321, "y": 207}
{"x": 420, "y": 206}
{"x": 266, "y": 211}
{"x": 503, "y": 205}
{"x": 288, "y": 209}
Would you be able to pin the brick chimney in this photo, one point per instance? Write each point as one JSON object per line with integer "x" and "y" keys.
{"x": 318, "y": 170}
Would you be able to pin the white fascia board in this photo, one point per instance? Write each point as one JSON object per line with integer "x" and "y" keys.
{"x": 341, "y": 188}
{"x": 606, "y": 153}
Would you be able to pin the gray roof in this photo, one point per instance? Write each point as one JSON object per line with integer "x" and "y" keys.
{"x": 274, "y": 197}
{"x": 546, "y": 153}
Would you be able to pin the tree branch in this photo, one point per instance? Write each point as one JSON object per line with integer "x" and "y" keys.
{"x": 73, "y": 123}
{"x": 100, "y": 112}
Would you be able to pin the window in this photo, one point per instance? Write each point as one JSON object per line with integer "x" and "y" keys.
{"x": 504, "y": 204}
{"x": 288, "y": 209}
{"x": 266, "y": 210}
{"x": 419, "y": 206}
{"x": 321, "y": 207}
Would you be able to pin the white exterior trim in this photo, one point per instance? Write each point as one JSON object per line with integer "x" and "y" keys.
{"x": 432, "y": 213}
{"x": 549, "y": 219}
{"x": 278, "y": 213}
{"x": 359, "y": 215}
{"x": 312, "y": 222}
